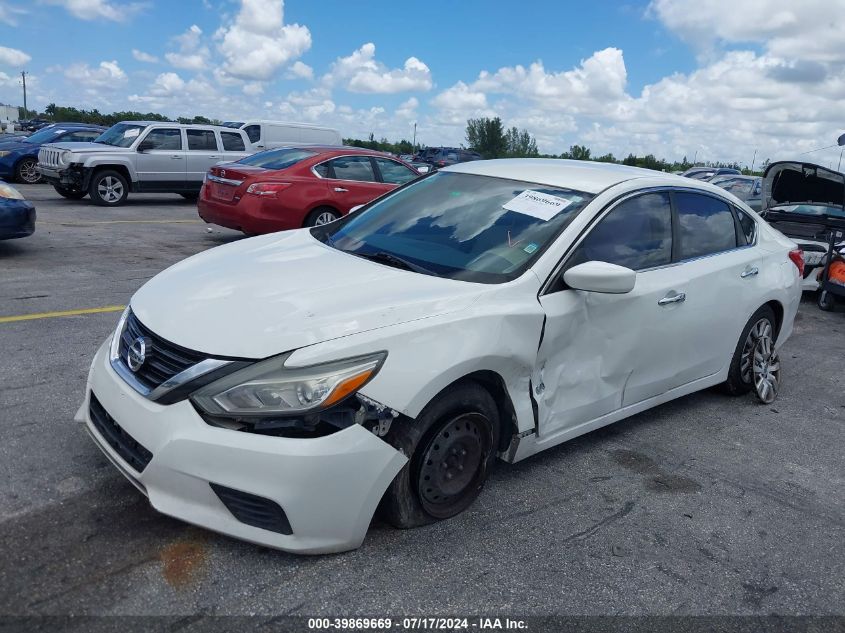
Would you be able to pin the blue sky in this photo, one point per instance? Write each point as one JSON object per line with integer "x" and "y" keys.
{"x": 669, "y": 77}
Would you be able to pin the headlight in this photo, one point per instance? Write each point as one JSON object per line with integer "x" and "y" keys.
{"x": 4, "y": 153}
{"x": 67, "y": 156}
{"x": 7, "y": 191}
{"x": 269, "y": 388}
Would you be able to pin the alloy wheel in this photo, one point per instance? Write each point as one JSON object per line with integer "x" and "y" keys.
{"x": 29, "y": 172}
{"x": 326, "y": 217}
{"x": 110, "y": 189}
{"x": 761, "y": 329}
{"x": 766, "y": 370}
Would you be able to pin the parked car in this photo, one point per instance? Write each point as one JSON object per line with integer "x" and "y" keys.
{"x": 706, "y": 173}
{"x": 280, "y": 389}
{"x": 798, "y": 198}
{"x": 33, "y": 125}
{"x": 273, "y": 134}
{"x": 17, "y": 215}
{"x": 140, "y": 156}
{"x": 746, "y": 188}
{"x": 19, "y": 155}
{"x": 425, "y": 153}
{"x": 292, "y": 187}
{"x": 439, "y": 157}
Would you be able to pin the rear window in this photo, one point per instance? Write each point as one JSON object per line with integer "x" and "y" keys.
{"x": 277, "y": 158}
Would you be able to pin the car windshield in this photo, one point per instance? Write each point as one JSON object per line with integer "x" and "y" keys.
{"x": 120, "y": 134}
{"x": 43, "y": 136}
{"x": 811, "y": 209}
{"x": 459, "y": 226}
{"x": 277, "y": 158}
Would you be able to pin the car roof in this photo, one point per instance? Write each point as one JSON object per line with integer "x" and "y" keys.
{"x": 188, "y": 126}
{"x": 587, "y": 176}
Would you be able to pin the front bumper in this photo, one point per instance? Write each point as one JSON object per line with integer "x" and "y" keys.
{"x": 17, "y": 219}
{"x": 328, "y": 487}
{"x": 74, "y": 177}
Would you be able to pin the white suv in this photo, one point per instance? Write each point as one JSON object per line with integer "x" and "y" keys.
{"x": 142, "y": 157}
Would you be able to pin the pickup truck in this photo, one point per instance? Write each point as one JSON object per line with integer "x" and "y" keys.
{"x": 140, "y": 157}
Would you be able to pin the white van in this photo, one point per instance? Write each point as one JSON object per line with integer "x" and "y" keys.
{"x": 272, "y": 134}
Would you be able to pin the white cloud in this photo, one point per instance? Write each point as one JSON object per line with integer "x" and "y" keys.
{"x": 107, "y": 76}
{"x": 253, "y": 88}
{"x": 361, "y": 72}
{"x": 298, "y": 70}
{"x": 101, "y": 9}
{"x": 192, "y": 54}
{"x": 10, "y": 14}
{"x": 141, "y": 56}
{"x": 13, "y": 57}
{"x": 258, "y": 42}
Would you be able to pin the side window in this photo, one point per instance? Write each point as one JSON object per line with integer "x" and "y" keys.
{"x": 202, "y": 140}
{"x": 747, "y": 226}
{"x": 394, "y": 173}
{"x": 253, "y": 132}
{"x": 322, "y": 169}
{"x": 705, "y": 225}
{"x": 232, "y": 142}
{"x": 353, "y": 168}
{"x": 636, "y": 234}
{"x": 165, "y": 138}
{"x": 77, "y": 137}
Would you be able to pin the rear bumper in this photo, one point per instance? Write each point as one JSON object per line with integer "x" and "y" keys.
{"x": 249, "y": 214}
{"x": 17, "y": 219}
{"x": 328, "y": 488}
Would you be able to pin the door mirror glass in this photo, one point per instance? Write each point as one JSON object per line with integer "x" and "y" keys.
{"x": 600, "y": 277}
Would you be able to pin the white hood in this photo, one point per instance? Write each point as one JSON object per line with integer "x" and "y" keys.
{"x": 263, "y": 296}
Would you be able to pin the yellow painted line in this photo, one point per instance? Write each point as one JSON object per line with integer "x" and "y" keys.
{"x": 84, "y": 223}
{"x": 61, "y": 313}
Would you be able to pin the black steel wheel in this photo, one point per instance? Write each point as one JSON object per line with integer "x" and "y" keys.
{"x": 826, "y": 300}
{"x": 453, "y": 465}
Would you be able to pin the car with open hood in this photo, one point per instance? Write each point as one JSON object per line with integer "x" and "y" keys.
{"x": 281, "y": 389}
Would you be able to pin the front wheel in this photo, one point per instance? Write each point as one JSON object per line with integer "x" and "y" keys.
{"x": 761, "y": 326}
{"x": 108, "y": 188}
{"x": 27, "y": 172}
{"x": 70, "y": 194}
{"x": 826, "y": 301}
{"x": 452, "y": 448}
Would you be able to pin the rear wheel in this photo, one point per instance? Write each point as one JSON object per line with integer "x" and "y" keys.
{"x": 452, "y": 448}
{"x": 27, "y": 171}
{"x": 740, "y": 375}
{"x": 70, "y": 194}
{"x": 193, "y": 195}
{"x": 321, "y": 215}
{"x": 108, "y": 188}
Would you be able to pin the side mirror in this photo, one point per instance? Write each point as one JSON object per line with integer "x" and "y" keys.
{"x": 145, "y": 146}
{"x": 601, "y": 277}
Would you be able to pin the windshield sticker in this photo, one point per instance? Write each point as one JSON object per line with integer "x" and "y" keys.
{"x": 537, "y": 205}
{"x": 58, "y": 131}
{"x": 530, "y": 248}
{"x": 131, "y": 133}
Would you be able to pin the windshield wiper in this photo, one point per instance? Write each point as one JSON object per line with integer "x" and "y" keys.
{"x": 397, "y": 262}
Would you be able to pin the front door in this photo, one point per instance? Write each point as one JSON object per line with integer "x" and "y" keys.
{"x": 601, "y": 352}
{"x": 161, "y": 166}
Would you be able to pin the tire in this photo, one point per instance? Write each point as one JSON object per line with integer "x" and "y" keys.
{"x": 190, "y": 196}
{"x": 761, "y": 323}
{"x": 70, "y": 194}
{"x": 826, "y": 301}
{"x": 320, "y": 216}
{"x": 27, "y": 172}
{"x": 108, "y": 188}
{"x": 452, "y": 448}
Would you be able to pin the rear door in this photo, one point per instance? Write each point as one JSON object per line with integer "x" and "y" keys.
{"x": 353, "y": 181}
{"x": 203, "y": 153}
{"x": 392, "y": 172}
{"x": 162, "y": 166}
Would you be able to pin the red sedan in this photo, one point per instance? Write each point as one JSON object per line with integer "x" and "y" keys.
{"x": 292, "y": 187}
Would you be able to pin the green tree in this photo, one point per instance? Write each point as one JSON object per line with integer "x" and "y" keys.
{"x": 577, "y": 152}
{"x": 520, "y": 144}
{"x": 487, "y": 137}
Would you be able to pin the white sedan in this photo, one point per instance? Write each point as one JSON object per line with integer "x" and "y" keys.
{"x": 281, "y": 389}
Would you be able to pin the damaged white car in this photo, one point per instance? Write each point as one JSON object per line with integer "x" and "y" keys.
{"x": 284, "y": 388}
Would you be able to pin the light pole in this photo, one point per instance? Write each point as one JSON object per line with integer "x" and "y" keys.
{"x": 753, "y": 160}
{"x": 415, "y": 136}
{"x": 23, "y": 77}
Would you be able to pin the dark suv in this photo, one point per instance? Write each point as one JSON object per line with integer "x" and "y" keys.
{"x": 445, "y": 156}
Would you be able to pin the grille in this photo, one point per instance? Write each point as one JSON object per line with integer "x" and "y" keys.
{"x": 48, "y": 157}
{"x": 163, "y": 359}
{"x": 124, "y": 444}
{"x": 254, "y": 510}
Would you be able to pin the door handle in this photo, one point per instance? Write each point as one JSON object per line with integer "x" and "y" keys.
{"x": 176, "y": 157}
{"x": 340, "y": 190}
{"x": 678, "y": 297}
{"x": 749, "y": 272}
{"x": 215, "y": 156}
